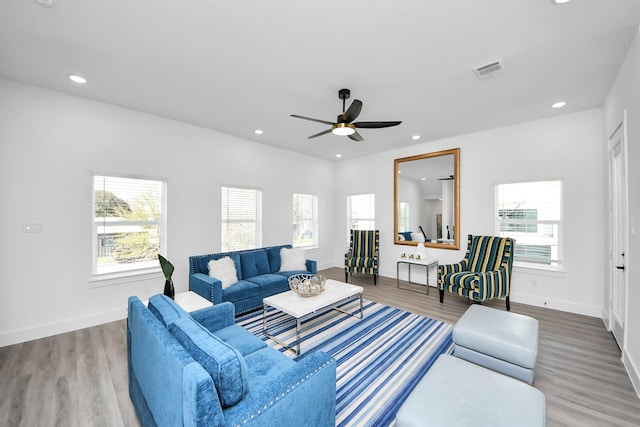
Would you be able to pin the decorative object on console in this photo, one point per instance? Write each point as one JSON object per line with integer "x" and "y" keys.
{"x": 224, "y": 269}
{"x": 307, "y": 285}
{"x": 167, "y": 270}
{"x": 421, "y": 251}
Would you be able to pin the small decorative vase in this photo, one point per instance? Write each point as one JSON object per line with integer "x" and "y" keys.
{"x": 169, "y": 289}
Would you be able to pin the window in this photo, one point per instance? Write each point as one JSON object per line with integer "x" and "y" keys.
{"x": 361, "y": 212}
{"x": 531, "y": 213}
{"x": 403, "y": 216}
{"x": 241, "y": 218}
{"x": 129, "y": 223}
{"x": 305, "y": 220}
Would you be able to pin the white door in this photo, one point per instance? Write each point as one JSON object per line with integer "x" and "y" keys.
{"x": 619, "y": 234}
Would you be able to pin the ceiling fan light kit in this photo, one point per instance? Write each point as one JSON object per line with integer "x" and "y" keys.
{"x": 344, "y": 125}
{"x": 343, "y": 129}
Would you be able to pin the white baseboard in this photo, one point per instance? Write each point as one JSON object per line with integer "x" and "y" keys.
{"x": 632, "y": 371}
{"x": 49, "y": 329}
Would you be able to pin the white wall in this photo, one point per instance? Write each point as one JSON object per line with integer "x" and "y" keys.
{"x": 625, "y": 95}
{"x": 568, "y": 147}
{"x": 49, "y": 145}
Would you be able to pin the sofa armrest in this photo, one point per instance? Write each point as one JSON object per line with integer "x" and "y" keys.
{"x": 287, "y": 398}
{"x": 207, "y": 287}
{"x": 312, "y": 266}
{"x": 216, "y": 317}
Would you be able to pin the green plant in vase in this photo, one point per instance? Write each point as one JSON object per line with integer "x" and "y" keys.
{"x": 167, "y": 269}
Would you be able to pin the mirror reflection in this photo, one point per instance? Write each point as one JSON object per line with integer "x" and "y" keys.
{"x": 426, "y": 196}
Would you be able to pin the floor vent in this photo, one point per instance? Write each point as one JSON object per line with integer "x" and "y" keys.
{"x": 489, "y": 70}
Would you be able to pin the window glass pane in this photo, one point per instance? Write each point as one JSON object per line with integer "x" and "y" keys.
{"x": 129, "y": 227}
{"x": 361, "y": 212}
{"x": 305, "y": 220}
{"x": 241, "y": 218}
{"x": 531, "y": 212}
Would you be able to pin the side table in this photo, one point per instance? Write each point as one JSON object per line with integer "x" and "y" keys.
{"x": 412, "y": 261}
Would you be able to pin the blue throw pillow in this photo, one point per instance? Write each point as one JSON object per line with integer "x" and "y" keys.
{"x": 224, "y": 363}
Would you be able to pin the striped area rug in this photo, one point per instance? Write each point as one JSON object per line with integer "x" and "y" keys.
{"x": 380, "y": 359}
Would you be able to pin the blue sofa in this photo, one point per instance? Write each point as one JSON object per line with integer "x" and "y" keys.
{"x": 201, "y": 369}
{"x": 258, "y": 273}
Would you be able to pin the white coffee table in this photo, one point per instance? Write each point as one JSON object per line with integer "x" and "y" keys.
{"x": 302, "y": 308}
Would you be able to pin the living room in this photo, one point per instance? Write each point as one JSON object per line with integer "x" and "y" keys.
{"x": 52, "y": 142}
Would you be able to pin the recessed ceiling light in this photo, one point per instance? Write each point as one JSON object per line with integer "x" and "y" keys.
{"x": 77, "y": 79}
{"x": 258, "y": 132}
{"x": 560, "y": 1}
{"x": 424, "y": 179}
{"x": 415, "y": 137}
{"x": 558, "y": 104}
{"x": 338, "y": 155}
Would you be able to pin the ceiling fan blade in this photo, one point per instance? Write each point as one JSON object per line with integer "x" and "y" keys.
{"x": 352, "y": 112}
{"x": 324, "y": 132}
{"x": 312, "y": 119}
{"x": 375, "y": 125}
{"x": 356, "y": 137}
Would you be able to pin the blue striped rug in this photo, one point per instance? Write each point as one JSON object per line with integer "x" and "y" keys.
{"x": 379, "y": 359}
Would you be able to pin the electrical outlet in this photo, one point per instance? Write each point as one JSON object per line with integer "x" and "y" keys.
{"x": 31, "y": 227}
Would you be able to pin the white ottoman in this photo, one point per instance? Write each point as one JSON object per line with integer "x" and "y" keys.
{"x": 457, "y": 393}
{"x": 499, "y": 340}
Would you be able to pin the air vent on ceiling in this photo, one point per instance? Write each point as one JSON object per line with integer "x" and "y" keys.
{"x": 489, "y": 70}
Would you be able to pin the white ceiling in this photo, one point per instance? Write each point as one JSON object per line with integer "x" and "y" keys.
{"x": 235, "y": 66}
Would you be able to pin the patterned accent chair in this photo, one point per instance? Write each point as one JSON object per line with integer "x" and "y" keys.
{"x": 484, "y": 273}
{"x": 363, "y": 253}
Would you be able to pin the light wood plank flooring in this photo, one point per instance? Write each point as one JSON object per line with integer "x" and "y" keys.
{"x": 80, "y": 378}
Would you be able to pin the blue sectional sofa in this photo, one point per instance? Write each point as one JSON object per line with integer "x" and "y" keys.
{"x": 201, "y": 369}
{"x": 258, "y": 274}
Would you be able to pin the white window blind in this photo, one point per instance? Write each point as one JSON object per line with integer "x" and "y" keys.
{"x": 129, "y": 223}
{"x": 531, "y": 213}
{"x": 241, "y": 218}
{"x": 361, "y": 212}
{"x": 305, "y": 220}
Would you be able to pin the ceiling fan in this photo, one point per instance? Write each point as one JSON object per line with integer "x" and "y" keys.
{"x": 344, "y": 123}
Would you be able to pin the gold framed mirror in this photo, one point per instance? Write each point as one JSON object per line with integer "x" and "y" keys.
{"x": 426, "y": 199}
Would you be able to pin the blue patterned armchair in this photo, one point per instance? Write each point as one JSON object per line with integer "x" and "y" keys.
{"x": 484, "y": 273}
{"x": 363, "y": 253}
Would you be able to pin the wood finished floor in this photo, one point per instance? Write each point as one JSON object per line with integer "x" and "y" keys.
{"x": 80, "y": 378}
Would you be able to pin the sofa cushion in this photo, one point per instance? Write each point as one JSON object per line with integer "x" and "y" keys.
{"x": 224, "y": 363}
{"x": 292, "y": 259}
{"x": 254, "y": 263}
{"x": 264, "y": 364}
{"x": 223, "y": 269}
{"x": 166, "y": 309}
{"x": 270, "y": 282}
{"x": 241, "y": 290}
{"x": 240, "y": 339}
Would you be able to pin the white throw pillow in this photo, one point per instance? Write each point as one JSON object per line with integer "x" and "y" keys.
{"x": 223, "y": 269}
{"x": 293, "y": 260}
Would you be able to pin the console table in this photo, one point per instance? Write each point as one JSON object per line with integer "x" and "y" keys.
{"x": 413, "y": 261}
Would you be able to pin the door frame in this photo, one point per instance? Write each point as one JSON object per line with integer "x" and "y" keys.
{"x": 619, "y": 133}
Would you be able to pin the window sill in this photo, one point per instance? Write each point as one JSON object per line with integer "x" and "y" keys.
{"x": 540, "y": 270}
{"x": 122, "y": 277}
